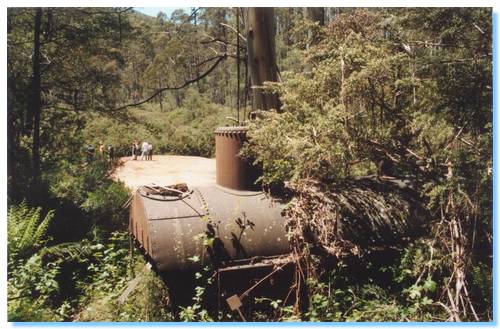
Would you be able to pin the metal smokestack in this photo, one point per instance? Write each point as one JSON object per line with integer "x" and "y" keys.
{"x": 231, "y": 170}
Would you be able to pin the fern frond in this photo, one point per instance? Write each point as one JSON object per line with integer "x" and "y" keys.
{"x": 26, "y": 230}
{"x": 15, "y": 217}
{"x": 32, "y": 222}
{"x": 41, "y": 231}
{"x": 68, "y": 251}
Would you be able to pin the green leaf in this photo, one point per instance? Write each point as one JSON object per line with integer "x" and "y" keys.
{"x": 430, "y": 285}
{"x": 414, "y": 292}
{"x": 194, "y": 259}
{"x": 426, "y": 301}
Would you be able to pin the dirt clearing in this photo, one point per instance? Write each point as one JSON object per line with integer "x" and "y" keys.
{"x": 166, "y": 170}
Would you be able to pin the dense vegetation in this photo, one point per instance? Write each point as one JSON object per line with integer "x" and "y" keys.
{"x": 364, "y": 95}
{"x": 403, "y": 93}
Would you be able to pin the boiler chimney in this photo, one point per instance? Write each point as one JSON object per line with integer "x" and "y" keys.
{"x": 231, "y": 170}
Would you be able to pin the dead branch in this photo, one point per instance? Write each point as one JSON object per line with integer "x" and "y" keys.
{"x": 207, "y": 60}
{"x": 454, "y": 138}
{"x": 234, "y": 29}
{"x": 218, "y": 40}
{"x": 242, "y": 59}
{"x": 185, "y": 84}
{"x": 103, "y": 12}
{"x": 478, "y": 28}
{"x": 469, "y": 143}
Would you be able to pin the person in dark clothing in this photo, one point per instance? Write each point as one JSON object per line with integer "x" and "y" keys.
{"x": 111, "y": 152}
{"x": 90, "y": 153}
{"x": 135, "y": 150}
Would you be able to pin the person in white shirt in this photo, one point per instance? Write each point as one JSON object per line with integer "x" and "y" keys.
{"x": 150, "y": 152}
{"x": 144, "y": 150}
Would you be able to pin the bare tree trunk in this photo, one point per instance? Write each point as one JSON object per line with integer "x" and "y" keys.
{"x": 261, "y": 30}
{"x": 238, "y": 64}
{"x": 160, "y": 95}
{"x": 135, "y": 97}
{"x": 197, "y": 55}
{"x": 35, "y": 98}
{"x": 120, "y": 28}
{"x": 227, "y": 72}
{"x": 178, "y": 101}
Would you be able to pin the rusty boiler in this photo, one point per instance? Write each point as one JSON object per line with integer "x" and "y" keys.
{"x": 231, "y": 224}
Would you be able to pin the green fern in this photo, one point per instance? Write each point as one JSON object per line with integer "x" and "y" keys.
{"x": 27, "y": 231}
{"x": 69, "y": 251}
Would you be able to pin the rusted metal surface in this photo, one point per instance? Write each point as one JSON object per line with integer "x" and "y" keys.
{"x": 247, "y": 223}
{"x": 138, "y": 223}
{"x": 271, "y": 278}
{"x": 231, "y": 170}
{"x": 211, "y": 224}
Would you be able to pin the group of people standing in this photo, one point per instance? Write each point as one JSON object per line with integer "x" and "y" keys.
{"x": 104, "y": 152}
{"x": 145, "y": 150}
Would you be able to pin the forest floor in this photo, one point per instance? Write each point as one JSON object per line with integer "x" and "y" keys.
{"x": 166, "y": 170}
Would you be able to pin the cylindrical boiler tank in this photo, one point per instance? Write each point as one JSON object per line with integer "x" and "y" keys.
{"x": 210, "y": 224}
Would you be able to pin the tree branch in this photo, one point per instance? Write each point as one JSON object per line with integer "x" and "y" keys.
{"x": 185, "y": 84}
{"x": 193, "y": 13}
{"x": 242, "y": 59}
{"x": 207, "y": 60}
{"x": 103, "y": 12}
{"x": 232, "y": 28}
{"x": 217, "y": 40}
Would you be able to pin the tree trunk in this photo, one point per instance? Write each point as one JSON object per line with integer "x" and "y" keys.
{"x": 261, "y": 30}
{"x": 35, "y": 98}
{"x": 224, "y": 49}
{"x": 197, "y": 54}
{"x": 178, "y": 101}
{"x": 160, "y": 95}
{"x": 120, "y": 28}
{"x": 315, "y": 14}
{"x": 238, "y": 95}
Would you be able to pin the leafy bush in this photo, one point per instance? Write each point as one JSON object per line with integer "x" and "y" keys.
{"x": 61, "y": 278}
{"x": 89, "y": 199}
{"x": 49, "y": 282}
